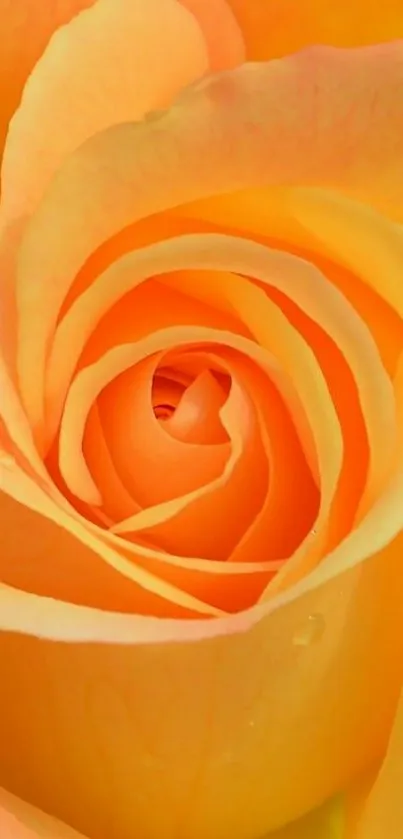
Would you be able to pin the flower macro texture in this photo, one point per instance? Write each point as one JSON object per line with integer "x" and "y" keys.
{"x": 201, "y": 419}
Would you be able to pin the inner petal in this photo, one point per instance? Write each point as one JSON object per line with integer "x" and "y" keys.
{"x": 87, "y": 387}
{"x": 210, "y": 521}
{"x": 165, "y": 396}
{"x": 115, "y": 496}
{"x": 123, "y": 310}
{"x": 153, "y": 464}
{"x": 196, "y": 417}
{"x": 344, "y": 391}
{"x": 90, "y": 381}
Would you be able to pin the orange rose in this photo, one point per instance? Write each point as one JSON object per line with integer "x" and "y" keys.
{"x": 201, "y": 420}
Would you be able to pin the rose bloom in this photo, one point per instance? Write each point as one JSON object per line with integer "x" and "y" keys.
{"x": 201, "y": 419}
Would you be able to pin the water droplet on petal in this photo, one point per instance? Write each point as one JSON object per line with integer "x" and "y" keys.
{"x": 309, "y": 632}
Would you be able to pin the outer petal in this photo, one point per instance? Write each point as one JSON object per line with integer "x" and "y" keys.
{"x": 19, "y": 820}
{"x": 25, "y": 30}
{"x": 108, "y": 66}
{"x": 272, "y": 28}
{"x": 145, "y": 732}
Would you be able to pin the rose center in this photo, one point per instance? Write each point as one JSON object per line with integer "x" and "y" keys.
{"x": 187, "y": 399}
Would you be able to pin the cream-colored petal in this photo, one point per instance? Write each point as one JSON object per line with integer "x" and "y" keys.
{"x": 26, "y": 30}
{"x": 108, "y": 66}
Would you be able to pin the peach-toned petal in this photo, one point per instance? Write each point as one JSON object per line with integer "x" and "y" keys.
{"x": 350, "y": 384}
{"x": 26, "y": 30}
{"x": 291, "y": 504}
{"x": 54, "y": 563}
{"x": 174, "y": 478}
{"x": 273, "y": 333}
{"x": 229, "y": 586}
{"x": 136, "y": 317}
{"x": 189, "y": 153}
{"x": 85, "y": 390}
{"x": 355, "y": 236}
{"x": 159, "y": 739}
{"x": 196, "y": 419}
{"x": 115, "y": 497}
{"x": 317, "y": 298}
{"x": 14, "y": 421}
{"x": 223, "y": 35}
{"x": 277, "y": 217}
{"x": 211, "y": 252}
{"x": 273, "y": 28}
{"x": 383, "y": 814}
{"x": 302, "y": 282}
{"x": 108, "y": 66}
{"x": 93, "y": 514}
{"x": 19, "y": 820}
{"x": 94, "y": 579}
{"x": 25, "y": 568}
{"x": 382, "y": 522}
{"x": 140, "y": 445}
{"x": 378, "y": 528}
{"x": 90, "y": 381}
{"x": 130, "y": 319}
{"x": 209, "y": 520}
{"x": 141, "y": 233}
